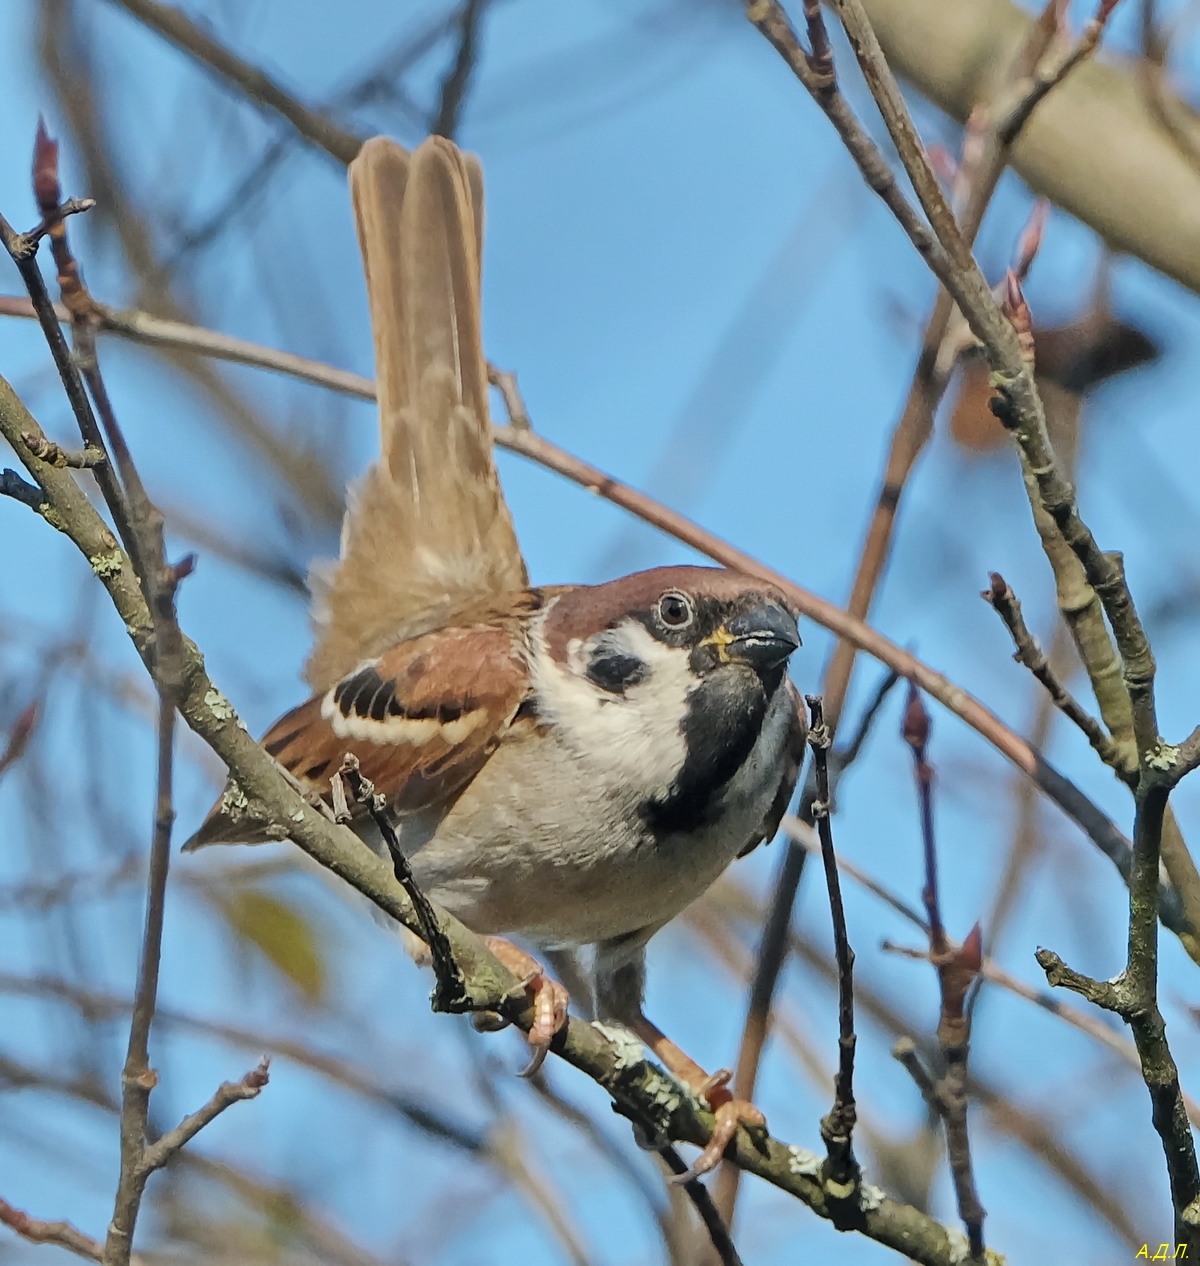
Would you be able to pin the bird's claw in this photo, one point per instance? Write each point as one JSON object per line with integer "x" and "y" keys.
{"x": 548, "y": 998}
{"x": 730, "y": 1115}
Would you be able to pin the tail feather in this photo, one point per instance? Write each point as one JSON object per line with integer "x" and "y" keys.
{"x": 427, "y": 530}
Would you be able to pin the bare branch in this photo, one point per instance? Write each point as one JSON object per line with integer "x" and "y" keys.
{"x": 451, "y": 994}
{"x": 138, "y": 1079}
{"x": 12, "y": 485}
{"x": 710, "y": 1215}
{"x": 158, "y": 1153}
{"x": 1051, "y": 72}
{"x": 174, "y": 25}
{"x": 837, "y": 1127}
{"x": 1133, "y": 995}
{"x": 156, "y": 331}
{"x": 60, "y": 1234}
{"x": 47, "y": 451}
{"x": 958, "y": 968}
{"x": 1001, "y": 597}
{"x": 454, "y": 87}
{"x": 638, "y": 1087}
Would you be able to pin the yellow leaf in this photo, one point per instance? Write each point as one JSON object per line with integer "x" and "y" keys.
{"x": 284, "y": 936}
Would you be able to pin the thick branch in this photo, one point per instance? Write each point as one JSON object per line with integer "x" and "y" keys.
{"x": 1094, "y": 147}
{"x": 641, "y": 1089}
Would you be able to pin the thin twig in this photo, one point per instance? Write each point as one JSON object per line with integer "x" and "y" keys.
{"x": 837, "y": 1126}
{"x": 916, "y": 735}
{"x": 174, "y": 25}
{"x": 710, "y": 1215}
{"x": 47, "y": 451}
{"x": 454, "y": 86}
{"x": 773, "y": 944}
{"x": 505, "y": 382}
{"x": 1051, "y": 72}
{"x": 150, "y": 330}
{"x": 60, "y": 1234}
{"x": 23, "y": 250}
{"x": 12, "y": 485}
{"x": 1006, "y": 605}
{"x": 1133, "y": 994}
{"x": 905, "y": 1051}
{"x": 158, "y": 1153}
{"x": 957, "y": 968}
{"x": 137, "y": 1077}
{"x": 450, "y": 993}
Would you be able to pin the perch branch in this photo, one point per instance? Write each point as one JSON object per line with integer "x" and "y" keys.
{"x": 634, "y": 1082}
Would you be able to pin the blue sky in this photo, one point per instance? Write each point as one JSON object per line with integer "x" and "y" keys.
{"x": 700, "y": 297}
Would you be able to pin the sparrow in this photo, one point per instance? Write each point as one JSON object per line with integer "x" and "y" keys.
{"x": 569, "y": 765}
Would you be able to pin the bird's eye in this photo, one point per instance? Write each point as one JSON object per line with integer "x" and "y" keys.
{"x": 676, "y": 610}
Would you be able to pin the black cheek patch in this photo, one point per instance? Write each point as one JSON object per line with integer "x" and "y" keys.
{"x": 724, "y": 718}
{"x": 615, "y": 671}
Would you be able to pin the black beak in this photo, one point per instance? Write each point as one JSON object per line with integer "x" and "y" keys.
{"x": 762, "y": 637}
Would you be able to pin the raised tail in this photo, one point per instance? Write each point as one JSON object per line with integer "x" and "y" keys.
{"x": 427, "y": 529}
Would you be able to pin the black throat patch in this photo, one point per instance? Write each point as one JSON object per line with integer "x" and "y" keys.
{"x": 724, "y": 719}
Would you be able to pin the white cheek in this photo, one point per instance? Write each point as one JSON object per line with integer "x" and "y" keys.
{"x": 633, "y": 738}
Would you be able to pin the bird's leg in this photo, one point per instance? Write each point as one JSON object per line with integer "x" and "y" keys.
{"x": 548, "y": 998}
{"x": 710, "y": 1087}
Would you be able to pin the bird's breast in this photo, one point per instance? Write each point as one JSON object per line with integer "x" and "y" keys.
{"x": 561, "y": 845}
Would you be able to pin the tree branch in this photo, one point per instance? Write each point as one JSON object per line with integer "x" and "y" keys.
{"x": 520, "y": 438}
{"x": 957, "y": 967}
{"x": 638, "y": 1086}
{"x": 174, "y": 25}
{"x": 1029, "y": 654}
{"x": 61, "y": 1234}
{"x": 158, "y": 1153}
{"x": 837, "y": 1126}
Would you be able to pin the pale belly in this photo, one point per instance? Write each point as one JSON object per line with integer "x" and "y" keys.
{"x": 561, "y": 863}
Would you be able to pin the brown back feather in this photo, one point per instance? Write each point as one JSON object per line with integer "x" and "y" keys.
{"x": 427, "y": 530}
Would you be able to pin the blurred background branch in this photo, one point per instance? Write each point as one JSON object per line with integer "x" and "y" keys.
{"x": 677, "y": 264}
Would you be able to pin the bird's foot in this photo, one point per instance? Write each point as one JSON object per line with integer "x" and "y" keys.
{"x": 730, "y": 1112}
{"x": 547, "y": 997}
{"x": 712, "y": 1089}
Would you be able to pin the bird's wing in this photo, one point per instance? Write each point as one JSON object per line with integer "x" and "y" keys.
{"x": 422, "y": 719}
{"x": 427, "y": 530}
